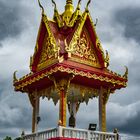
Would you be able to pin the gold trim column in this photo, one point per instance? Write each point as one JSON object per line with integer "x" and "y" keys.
{"x": 33, "y": 120}
{"x": 103, "y": 98}
{"x": 35, "y": 114}
{"x": 62, "y": 108}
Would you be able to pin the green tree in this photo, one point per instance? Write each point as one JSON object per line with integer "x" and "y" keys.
{"x": 7, "y": 138}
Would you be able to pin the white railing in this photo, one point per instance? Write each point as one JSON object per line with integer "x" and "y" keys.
{"x": 102, "y": 136}
{"x": 71, "y": 133}
{"x": 87, "y": 134}
{"x": 75, "y": 133}
{"x": 44, "y": 135}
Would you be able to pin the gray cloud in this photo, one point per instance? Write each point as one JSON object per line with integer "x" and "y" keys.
{"x": 125, "y": 118}
{"x": 0, "y": 45}
{"x": 134, "y": 70}
{"x": 132, "y": 126}
{"x": 10, "y": 19}
{"x": 130, "y": 19}
{"x": 4, "y": 87}
{"x": 18, "y": 106}
{"x": 15, "y": 114}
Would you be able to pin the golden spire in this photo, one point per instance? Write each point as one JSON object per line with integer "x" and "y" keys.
{"x": 69, "y": 2}
{"x": 69, "y": 6}
{"x": 68, "y": 11}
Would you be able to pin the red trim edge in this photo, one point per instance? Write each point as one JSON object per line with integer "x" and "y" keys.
{"x": 62, "y": 138}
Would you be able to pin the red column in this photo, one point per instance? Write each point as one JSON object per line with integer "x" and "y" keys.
{"x": 62, "y": 108}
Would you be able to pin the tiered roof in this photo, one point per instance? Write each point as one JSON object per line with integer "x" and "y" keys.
{"x": 68, "y": 44}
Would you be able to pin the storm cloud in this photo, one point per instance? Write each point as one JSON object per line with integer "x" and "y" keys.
{"x": 10, "y": 19}
{"x": 129, "y": 18}
{"x": 124, "y": 117}
{"x": 119, "y": 32}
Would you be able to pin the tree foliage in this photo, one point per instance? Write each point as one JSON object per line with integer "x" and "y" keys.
{"x": 7, "y": 138}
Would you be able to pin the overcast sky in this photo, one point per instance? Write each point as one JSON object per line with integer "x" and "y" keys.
{"x": 119, "y": 31}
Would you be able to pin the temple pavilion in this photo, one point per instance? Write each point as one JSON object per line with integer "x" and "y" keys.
{"x": 70, "y": 67}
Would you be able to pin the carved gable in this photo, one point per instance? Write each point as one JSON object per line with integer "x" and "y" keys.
{"x": 79, "y": 44}
{"x": 47, "y": 50}
{"x": 48, "y": 53}
{"x": 85, "y": 50}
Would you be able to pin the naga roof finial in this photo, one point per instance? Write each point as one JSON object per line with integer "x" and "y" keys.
{"x": 88, "y": 5}
{"x": 54, "y": 4}
{"x": 126, "y": 72}
{"x": 79, "y": 2}
{"x": 41, "y": 6}
{"x": 14, "y": 77}
{"x": 56, "y": 16}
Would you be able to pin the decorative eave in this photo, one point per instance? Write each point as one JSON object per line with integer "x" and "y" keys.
{"x": 64, "y": 62}
{"x": 115, "y": 80}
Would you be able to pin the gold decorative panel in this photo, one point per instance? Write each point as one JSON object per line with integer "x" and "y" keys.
{"x": 84, "y": 51}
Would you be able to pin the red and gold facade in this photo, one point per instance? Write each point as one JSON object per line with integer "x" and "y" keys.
{"x": 69, "y": 65}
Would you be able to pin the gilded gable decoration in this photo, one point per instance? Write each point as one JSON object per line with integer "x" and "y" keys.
{"x": 76, "y": 35}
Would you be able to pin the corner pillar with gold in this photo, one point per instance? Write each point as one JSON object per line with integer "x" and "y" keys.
{"x": 103, "y": 98}
{"x": 35, "y": 101}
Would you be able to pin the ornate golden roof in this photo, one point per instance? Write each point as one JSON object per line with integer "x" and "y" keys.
{"x": 69, "y": 44}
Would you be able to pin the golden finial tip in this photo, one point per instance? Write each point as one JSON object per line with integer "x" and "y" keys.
{"x": 69, "y": 2}
{"x": 69, "y": 5}
{"x": 14, "y": 76}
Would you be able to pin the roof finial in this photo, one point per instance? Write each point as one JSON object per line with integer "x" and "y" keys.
{"x": 69, "y": 6}
{"x": 126, "y": 72}
{"x": 78, "y": 5}
{"x": 69, "y": 2}
{"x": 68, "y": 11}
{"x": 14, "y": 77}
{"x": 41, "y": 6}
{"x": 54, "y": 4}
{"x": 88, "y": 5}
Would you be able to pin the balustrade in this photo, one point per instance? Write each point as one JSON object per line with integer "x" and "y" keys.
{"x": 71, "y": 133}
